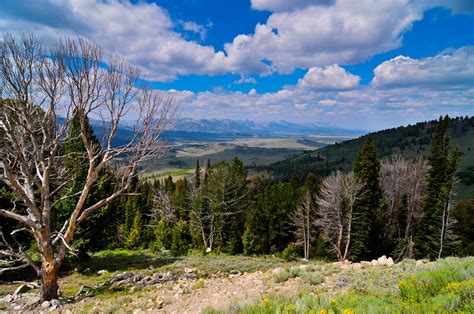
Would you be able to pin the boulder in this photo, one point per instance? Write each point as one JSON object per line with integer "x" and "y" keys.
{"x": 382, "y": 260}
{"x": 419, "y": 263}
{"x": 365, "y": 264}
{"x": 390, "y": 262}
{"x": 374, "y": 262}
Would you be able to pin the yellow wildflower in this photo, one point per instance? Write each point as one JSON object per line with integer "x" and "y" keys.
{"x": 348, "y": 311}
{"x": 266, "y": 301}
{"x": 332, "y": 300}
{"x": 323, "y": 311}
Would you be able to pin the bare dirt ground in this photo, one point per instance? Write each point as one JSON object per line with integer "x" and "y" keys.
{"x": 192, "y": 295}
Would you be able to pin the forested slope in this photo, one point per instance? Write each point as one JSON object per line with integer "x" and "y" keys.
{"x": 409, "y": 141}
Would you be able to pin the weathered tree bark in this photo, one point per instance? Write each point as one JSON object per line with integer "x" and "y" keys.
{"x": 49, "y": 281}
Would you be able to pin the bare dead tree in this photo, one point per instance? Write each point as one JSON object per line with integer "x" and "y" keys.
{"x": 335, "y": 213}
{"x": 163, "y": 207}
{"x": 394, "y": 174}
{"x": 403, "y": 184}
{"x": 44, "y": 88}
{"x": 303, "y": 219}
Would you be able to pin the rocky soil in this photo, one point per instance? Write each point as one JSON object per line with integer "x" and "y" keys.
{"x": 188, "y": 291}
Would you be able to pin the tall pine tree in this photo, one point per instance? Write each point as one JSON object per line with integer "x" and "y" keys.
{"x": 366, "y": 242}
{"x": 434, "y": 227}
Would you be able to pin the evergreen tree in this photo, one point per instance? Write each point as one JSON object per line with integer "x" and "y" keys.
{"x": 100, "y": 232}
{"x": 234, "y": 228}
{"x": 180, "y": 239}
{"x": 197, "y": 176}
{"x": 133, "y": 239}
{"x": 181, "y": 198}
{"x": 366, "y": 242}
{"x": 463, "y": 214}
{"x": 433, "y": 227}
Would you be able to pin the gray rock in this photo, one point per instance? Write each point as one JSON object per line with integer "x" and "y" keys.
{"x": 32, "y": 300}
{"x": 45, "y": 304}
{"x": 55, "y": 302}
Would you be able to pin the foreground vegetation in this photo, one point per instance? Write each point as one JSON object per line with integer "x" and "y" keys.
{"x": 444, "y": 286}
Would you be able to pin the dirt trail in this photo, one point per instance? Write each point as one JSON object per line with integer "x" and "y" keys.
{"x": 192, "y": 295}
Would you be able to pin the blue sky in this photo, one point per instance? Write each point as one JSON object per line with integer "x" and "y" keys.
{"x": 358, "y": 64}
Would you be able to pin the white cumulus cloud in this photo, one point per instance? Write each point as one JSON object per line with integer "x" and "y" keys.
{"x": 329, "y": 78}
{"x": 449, "y": 69}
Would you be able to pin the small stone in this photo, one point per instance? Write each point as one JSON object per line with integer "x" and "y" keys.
{"x": 419, "y": 263}
{"x": 17, "y": 307}
{"x": 374, "y": 262}
{"x": 55, "y": 302}
{"x": 53, "y": 308}
{"x": 189, "y": 270}
{"x": 45, "y": 304}
{"x": 102, "y": 272}
{"x": 138, "y": 311}
{"x": 159, "y": 303}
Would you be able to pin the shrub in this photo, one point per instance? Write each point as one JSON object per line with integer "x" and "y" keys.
{"x": 290, "y": 253}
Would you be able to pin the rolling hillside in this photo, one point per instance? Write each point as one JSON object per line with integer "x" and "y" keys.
{"x": 408, "y": 141}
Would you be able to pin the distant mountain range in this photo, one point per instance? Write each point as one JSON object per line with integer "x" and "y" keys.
{"x": 225, "y": 129}
{"x": 256, "y": 128}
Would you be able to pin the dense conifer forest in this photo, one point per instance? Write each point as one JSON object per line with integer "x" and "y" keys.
{"x": 408, "y": 141}
{"x": 221, "y": 209}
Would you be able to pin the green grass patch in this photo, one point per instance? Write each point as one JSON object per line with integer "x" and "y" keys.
{"x": 447, "y": 288}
